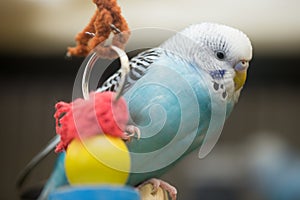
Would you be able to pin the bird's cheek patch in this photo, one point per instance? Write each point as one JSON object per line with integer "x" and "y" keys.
{"x": 217, "y": 74}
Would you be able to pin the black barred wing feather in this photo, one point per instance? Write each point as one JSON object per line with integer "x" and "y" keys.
{"x": 138, "y": 67}
{"x": 112, "y": 83}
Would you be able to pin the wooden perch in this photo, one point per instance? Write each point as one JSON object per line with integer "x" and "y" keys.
{"x": 147, "y": 194}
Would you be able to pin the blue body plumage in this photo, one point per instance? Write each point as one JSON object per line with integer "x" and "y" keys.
{"x": 171, "y": 105}
{"x": 178, "y": 94}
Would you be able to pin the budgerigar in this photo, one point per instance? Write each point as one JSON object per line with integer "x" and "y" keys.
{"x": 175, "y": 91}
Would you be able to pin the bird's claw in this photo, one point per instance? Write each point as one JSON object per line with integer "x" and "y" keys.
{"x": 130, "y": 132}
{"x": 164, "y": 185}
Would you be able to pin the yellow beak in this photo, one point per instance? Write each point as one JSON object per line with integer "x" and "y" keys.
{"x": 239, "y": 79}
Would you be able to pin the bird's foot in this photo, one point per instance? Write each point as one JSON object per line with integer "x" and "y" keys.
{"x": 164, "y": 185}
{"x": 130, "y": 132}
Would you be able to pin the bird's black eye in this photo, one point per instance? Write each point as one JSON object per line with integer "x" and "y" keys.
{"x": 220, "y": 55}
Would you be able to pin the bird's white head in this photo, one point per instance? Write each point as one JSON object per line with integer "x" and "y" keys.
{"x": 215, "y": 47}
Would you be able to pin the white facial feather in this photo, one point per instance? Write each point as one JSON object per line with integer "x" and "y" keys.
{"x": 205, "y": 39}
{"x": 221, "y": 37}
{"x": 200, "y": 43}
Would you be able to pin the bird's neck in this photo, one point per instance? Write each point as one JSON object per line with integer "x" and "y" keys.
{"x": 181, "y": 46}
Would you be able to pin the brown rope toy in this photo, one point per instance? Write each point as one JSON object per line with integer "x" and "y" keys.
{"x": 107, "y": 19}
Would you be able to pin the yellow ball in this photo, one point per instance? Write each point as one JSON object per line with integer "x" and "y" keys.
{"x": 100, "y": 159}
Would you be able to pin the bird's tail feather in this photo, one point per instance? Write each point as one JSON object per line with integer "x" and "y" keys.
{"x": 58, "y": 178}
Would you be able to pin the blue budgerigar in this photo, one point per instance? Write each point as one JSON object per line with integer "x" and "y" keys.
{"x": 178, "y": 95}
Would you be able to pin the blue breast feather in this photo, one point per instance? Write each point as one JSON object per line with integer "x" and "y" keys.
{"x": 171, "y": 104}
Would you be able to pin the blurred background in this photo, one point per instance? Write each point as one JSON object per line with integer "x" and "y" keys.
{"x": 258, "y": 154}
